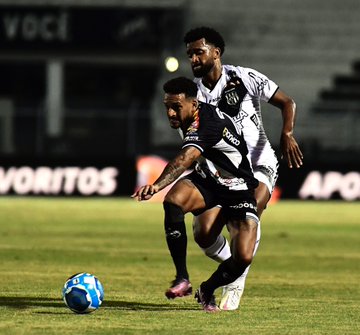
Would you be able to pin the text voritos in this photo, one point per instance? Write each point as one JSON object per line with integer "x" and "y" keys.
{"x": 52, "y": 181}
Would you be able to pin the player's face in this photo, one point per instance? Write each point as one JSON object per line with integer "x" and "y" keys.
{"x": 202, "y": 57}
{"x": 179, "y": 110}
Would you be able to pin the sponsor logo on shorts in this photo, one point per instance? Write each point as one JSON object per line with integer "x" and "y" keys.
{"x": 244, "y": 205}
{"x": 235, "y": 184}
{"x": 267, "y": 171}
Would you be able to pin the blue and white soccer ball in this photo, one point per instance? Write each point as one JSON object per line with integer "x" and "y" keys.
{"x": 83, "y": 293}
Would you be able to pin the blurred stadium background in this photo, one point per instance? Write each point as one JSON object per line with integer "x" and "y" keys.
{"x": 81, "y": 98}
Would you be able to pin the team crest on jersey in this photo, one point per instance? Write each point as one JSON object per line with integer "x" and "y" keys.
{"x": 231, "y": 96}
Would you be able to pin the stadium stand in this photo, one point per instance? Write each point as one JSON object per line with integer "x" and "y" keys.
{"x": 306, "y": 47}
{"x": 344, "y": 95}
{"x": 310, "y": 48}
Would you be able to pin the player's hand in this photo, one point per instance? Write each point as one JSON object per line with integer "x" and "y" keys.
{"x": 290, "y": 151}
{"x": 145, "y": 192}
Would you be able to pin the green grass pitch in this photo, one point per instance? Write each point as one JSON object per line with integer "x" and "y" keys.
{"x": 305, "y": 278}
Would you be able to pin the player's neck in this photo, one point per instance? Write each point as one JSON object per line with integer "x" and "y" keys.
{"x": 213, "y": 76}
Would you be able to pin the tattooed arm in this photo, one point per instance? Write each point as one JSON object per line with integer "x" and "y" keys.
{"x": 171, "y": 172}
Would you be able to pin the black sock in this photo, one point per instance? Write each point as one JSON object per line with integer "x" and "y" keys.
{"x": 176, "y": 238}
{"x": 227, "y": 272}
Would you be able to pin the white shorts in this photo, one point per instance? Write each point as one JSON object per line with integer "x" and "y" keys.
{"x": 265, "y": 165}
{"x": 266, "y": 174}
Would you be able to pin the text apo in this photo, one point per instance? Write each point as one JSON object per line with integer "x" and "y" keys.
{"x": 323, "y": 186}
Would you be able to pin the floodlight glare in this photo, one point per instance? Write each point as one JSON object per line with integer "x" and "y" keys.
{"x": 171, "y": 64}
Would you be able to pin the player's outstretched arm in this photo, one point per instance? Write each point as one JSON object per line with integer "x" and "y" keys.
{"x": 290, "y": 149}
{"x": 172, "y": 171}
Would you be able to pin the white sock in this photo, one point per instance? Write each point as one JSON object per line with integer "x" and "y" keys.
{"x": 219, "y": 250}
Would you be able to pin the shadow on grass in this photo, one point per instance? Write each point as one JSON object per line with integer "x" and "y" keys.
{"x": 27, "y": 302}
{"x": 145, "y": 306}
{"x": 30, "y": 302}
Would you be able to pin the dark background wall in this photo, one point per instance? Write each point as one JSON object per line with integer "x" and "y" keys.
{"x": 81, "y": 80}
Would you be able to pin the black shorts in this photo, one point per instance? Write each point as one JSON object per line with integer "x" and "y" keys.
{"x": 235, "y": 204}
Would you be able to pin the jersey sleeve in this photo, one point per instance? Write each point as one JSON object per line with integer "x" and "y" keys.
{"x": 258, "y": 84}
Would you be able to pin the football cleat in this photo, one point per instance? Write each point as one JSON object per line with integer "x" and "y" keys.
{"x": 230, "y": 299}
{"x": 180, "y": 288}
{"x": 207, "y": 301}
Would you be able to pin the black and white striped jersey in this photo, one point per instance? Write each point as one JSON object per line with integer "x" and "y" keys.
{"x": 221, "y": 142}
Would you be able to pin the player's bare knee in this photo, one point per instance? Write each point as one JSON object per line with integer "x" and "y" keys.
{"x": 175, "y": 200}
{"x": 243, "y": 257}
{"x": 203, "y": 239}
{"x": 205, "y": 232}
{"x": 201, "y": 234}
{"x": 198, "y": 237}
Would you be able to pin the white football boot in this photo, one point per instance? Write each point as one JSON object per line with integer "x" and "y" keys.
{"x": 230, "y": 299}
{"x": 232, "y": 293}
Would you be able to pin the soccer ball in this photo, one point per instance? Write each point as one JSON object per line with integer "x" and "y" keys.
{"x": 83, "y": 293}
